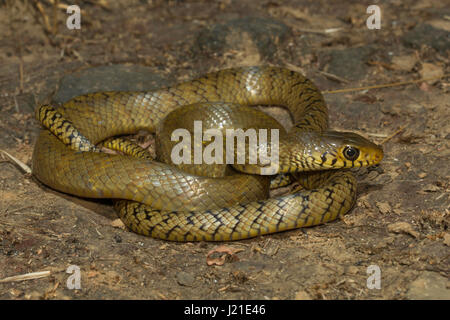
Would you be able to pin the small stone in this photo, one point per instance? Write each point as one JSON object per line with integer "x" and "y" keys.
{"x": 263, "y": 34}
{"x": 302, "y": 295}
{"x": 429, "y": 286}
{"x": 108, "y": 78}
{"x": 352, "y": 270}
{"x": 384, "y": 243}
{"x": 405, "y": 62}
{"x": 185, "y": 279}
{"x": 447, "y": 239}
{"x": 117, "y": 238}
{"x": 430, "y": 70}
{"x": 415, "y": 108}
{"x": 350, "y": 63}
{"x": 425, "y": 34}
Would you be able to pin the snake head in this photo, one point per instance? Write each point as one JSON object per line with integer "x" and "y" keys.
{"x": 335, "y": 150}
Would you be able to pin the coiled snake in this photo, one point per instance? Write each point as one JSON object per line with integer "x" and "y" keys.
{"x": 162, "y": 201}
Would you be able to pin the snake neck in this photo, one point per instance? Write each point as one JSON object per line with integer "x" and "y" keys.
{"x": 304, "y": 150}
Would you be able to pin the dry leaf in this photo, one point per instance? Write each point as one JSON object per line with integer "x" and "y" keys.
{"x": 422, "y": 175}
{"x": 384, "y": 207}
{"x": 405, "y": 62}
{"x": 440, "y": 24}
{"x": 92, "y": 274}
{"x": 447, "y": 239}
{"x": 117, "y": 223}
{"x": 430, "y": 188}
{"x": 402, "y": 227}
{"x": 229, "y": 251}
{"x": 430, "y": 70}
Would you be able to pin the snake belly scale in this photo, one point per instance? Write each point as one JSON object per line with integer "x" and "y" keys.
{"x": 162, "y": 201}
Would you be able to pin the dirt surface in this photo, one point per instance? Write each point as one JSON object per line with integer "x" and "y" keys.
{"x": 399, "y": 223}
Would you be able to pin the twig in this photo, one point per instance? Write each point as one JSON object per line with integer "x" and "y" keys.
{"x": 20, "y": 70}
{"x": 27, "y": 276}
{"x": 318, "y": 31}
{"x": 17, "y": 210}
{"x": 362, "y": 133}
{"x": 386, "y": 85}
{"x": 77, "y": 54}
{"x": 62, "y": 6}
{"x": 16, "y": 104}
{"x": 334, "y": 77}
{"x": 394, "y": 134}
{"x": 377, "y": 135}
{"x": 55, "y": 17}
{"x": 101, "y": 3}
{"x": 47, "y": 26}
{"x": 22, "y": 165}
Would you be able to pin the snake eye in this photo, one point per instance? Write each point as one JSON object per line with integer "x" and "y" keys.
{"x": 351, "y": 153}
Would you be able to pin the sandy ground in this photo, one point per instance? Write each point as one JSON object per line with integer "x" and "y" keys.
{"x": 400, "y": 221}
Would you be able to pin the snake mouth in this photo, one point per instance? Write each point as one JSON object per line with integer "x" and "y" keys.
{"x": 377, "y": 157}
{"x": 373, "y": 155}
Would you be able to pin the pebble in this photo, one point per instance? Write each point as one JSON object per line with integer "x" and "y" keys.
{"x": 185, "y": 279}
{"x": 429, "y": 286}
{"x": 108, "y": 78}
{"x": 302, "y": 295}
{"x": 425, "y": 34}
{"x": 264, "y": 33}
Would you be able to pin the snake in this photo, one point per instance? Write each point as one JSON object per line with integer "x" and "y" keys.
{"x": 160, "y": 200}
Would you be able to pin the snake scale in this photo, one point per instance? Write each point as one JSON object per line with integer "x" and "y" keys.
{"x": 160, "y": 200}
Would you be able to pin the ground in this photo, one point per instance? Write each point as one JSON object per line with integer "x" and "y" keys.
{"x": 401, "y": 217}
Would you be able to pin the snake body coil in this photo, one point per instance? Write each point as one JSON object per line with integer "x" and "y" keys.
{"x": 164, "y": 202}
